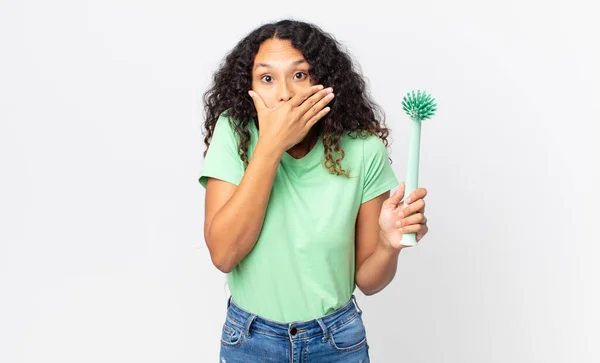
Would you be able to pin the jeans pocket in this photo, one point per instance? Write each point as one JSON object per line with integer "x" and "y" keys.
{"x": 231, "y": 334}
{"x": 350, "y": 336}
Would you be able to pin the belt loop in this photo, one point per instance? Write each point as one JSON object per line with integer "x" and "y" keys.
{"x": 248, "y": 323}
{"x": 229, "y": 300}
{"x": 356, "y": 305}
{"x": 325, "y": 334}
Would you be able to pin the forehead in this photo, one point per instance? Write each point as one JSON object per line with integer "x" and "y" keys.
{"x": 277, "y": 52}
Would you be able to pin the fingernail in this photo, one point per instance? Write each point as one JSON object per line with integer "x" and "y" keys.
{"x": 250, "y": 93}
{"x": 408, "y": 200}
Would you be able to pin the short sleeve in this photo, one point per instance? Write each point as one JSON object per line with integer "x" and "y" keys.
{"x": 379, "y": 176}
{"x": 222, "y": 160}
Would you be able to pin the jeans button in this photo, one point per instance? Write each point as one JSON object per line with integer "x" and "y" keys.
{"x": 293, "y": 331}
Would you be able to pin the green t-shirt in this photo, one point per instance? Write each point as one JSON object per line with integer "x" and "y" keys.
{"x": 302, "y": 266}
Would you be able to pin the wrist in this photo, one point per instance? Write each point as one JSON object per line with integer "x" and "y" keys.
{"x": 386, "y": 246}
{"x": 268, "y": 149}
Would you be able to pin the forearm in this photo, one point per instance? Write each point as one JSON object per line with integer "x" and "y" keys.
{"x": 378, "y": 270}
{"x": 236, "y": 227}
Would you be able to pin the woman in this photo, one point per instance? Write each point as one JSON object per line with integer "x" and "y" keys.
{"x": 298, "y": 208}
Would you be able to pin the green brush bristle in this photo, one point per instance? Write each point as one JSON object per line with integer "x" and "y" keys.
{"x": 419, "y": 107}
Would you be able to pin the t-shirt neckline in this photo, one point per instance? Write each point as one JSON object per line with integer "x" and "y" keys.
{"x": 309, "y": 159}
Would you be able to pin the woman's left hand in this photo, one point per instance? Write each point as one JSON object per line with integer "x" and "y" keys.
{"x": 395, "y": 219}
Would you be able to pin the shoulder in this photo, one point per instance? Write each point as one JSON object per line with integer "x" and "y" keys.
{"x": 225, "y": 121}
{"x": 367, "y": 145}
{"x": 225, "y": 128}
{"x": 373, "y": 144}
{"x": 228, "y": 124}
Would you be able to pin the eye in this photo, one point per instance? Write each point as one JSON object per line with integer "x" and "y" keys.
{"x": 267, "y": 78}
{"x": 302, "y": 75}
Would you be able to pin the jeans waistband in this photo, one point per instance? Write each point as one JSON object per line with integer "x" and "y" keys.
{"x": 296, "y": 330}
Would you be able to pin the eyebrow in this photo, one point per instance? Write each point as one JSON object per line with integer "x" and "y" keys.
{"x": 265, "y": 65}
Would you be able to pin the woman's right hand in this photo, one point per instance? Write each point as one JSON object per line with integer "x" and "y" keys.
{"x": 287, "y": 124}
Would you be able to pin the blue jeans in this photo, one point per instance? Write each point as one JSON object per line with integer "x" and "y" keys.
{"x": 337, "y": 337}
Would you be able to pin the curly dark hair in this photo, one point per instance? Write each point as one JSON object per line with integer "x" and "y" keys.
{"x": 352, "y": 111}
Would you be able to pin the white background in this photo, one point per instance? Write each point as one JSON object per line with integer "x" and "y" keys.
{"x": 102, "y": 257}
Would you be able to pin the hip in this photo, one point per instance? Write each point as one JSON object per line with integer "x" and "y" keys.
{"x": 339, "y": 336}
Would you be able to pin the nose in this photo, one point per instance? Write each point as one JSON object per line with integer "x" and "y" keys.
{"x": 285, "y": 92}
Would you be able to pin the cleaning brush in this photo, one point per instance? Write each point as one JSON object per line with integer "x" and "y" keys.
{"x": 418, "y": 107}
